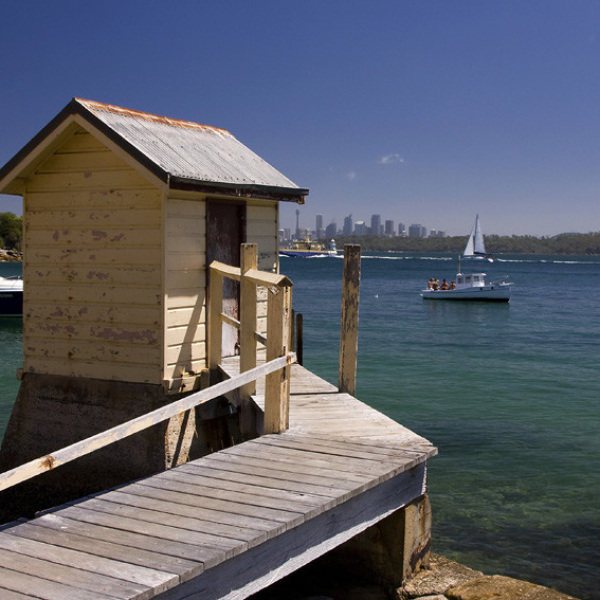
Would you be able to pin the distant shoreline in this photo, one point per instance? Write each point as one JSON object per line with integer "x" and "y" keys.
{"x": 582, "y": 244}
{"x": 10, "y": 256}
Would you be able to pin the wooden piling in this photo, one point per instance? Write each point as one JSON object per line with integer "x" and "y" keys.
{"x": 349, "y": 328}
{"x": 277, "y": 386}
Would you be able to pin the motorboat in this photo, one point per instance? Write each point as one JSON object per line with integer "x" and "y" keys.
{"x": 475, "y": 248}
{"x": 11, "y": 296}
{"x": 307, "y": 248}
{"x": 471, "y": 286}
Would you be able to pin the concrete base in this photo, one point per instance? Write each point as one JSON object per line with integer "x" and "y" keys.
{"x": 52, "y": 412}
{"x": 389, "y": 552}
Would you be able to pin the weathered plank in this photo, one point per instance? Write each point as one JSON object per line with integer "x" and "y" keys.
{"x": 202, "y": 558}
{"x": 196, "y": 496}
{"x": 20, "y": 556}
{"x": 158, "y": 564}
{"x": 288, "y": 464}
{"x": 320, "y": 488}
{"x": 46, "y": 589}
{"x": 120, "y": 570}
{"x": 122, "y": 504}
{"x": 198, "y": 540}
{"x": 269, "y": 562}
{"x": 253, "y": 493}
{"x": 188, "y": 504}
{"x": 285, "y": 479}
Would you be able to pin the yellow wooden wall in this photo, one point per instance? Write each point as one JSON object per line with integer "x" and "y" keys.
{"x": 93, "y": 264}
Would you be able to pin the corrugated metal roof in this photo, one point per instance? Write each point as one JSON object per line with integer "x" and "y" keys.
{"x": 184, "y": 153}
{"x": 189, "y": 150}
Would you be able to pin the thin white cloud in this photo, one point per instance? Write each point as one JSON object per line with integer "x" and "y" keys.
{"x": 351, "y": 176}
{"x": 390, "y": 159}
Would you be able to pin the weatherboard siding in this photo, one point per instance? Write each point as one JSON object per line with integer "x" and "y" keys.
{"x": 93, "y": 267}
{"x": 185, "y": 288}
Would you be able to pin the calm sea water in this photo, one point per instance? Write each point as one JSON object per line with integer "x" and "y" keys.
{"x": 509, "y": 394}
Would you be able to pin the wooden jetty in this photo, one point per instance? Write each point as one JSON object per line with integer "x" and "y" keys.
{"x": 233, "y": 522}
{"x": 137, "y": 304}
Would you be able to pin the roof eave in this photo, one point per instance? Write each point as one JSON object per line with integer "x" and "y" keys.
{"x": 238, "y": 190}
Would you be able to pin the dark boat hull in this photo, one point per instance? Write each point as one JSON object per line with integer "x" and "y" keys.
{"x": 11, "y": 303}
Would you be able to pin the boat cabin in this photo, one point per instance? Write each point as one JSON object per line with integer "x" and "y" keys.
{"x": 470, "y": 280}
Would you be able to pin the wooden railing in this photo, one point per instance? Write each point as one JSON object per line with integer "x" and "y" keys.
{"x": 278, "y": 330}
{"x": 115, "y": 434}
{"x": 276, "y": 370}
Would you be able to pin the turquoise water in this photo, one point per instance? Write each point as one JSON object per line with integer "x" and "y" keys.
{"x": 11, "y": 354}
{"x": 510, "y": 395}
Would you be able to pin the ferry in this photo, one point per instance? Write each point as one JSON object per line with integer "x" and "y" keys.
{"x": 11, "y": 297}
{"x": 308, "y": 248}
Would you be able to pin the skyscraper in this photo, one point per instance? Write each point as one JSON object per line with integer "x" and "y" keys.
{"x": 348, "y": 225}
{"x": 376, "y": 225}
{"x": 319, "y": 227}
{"x": 417, "y": 230}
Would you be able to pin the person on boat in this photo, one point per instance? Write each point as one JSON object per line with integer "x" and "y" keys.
{"x": 444, "y": 285}
{"x": 430, "y": 283}
{"x": 452, "y": 285}
{"x": 436, "y": 284}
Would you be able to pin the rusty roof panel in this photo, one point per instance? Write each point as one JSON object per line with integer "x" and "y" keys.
{"x": 190, "y": 151}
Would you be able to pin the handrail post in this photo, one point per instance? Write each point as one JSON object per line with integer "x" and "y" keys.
{"x": 248, "y": 300}
{"x": 349, "y": 329}
{"x": 277, "y": 385}
{"x": 215, "y": 325}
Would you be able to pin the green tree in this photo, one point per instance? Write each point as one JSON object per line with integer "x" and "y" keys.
{"x": 11, "y": 231}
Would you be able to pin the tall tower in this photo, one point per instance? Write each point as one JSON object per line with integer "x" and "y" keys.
{"x": 297, "y": 223}
{"x": 320, "y": 231}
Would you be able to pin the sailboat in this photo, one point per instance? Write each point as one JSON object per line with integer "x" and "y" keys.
{"x": 475, "y": 248}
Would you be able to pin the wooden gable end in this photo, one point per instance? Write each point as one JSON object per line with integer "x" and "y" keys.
{"x": 93, "y": 266}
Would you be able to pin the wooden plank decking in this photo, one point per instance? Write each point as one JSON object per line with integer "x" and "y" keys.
{"x": 231, "y": 523}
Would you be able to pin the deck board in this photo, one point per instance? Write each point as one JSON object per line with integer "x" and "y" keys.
{"x": 228, "y": 524}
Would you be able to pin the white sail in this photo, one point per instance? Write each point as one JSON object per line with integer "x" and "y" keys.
{"x": 475, "y": 247}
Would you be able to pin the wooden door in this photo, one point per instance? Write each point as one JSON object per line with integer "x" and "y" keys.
{"x": 225, "y": 232}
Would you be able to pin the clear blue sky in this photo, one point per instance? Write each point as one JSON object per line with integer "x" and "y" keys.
{"x": 421, "y": 111}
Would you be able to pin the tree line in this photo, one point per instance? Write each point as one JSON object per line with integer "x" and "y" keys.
{"x": 11, "y": 231}
{"x": 11, "y": 236}
{"x": 564, "y": 243}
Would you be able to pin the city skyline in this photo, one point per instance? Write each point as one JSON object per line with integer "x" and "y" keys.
{"x": 430, "y": 111}
{"x": 359, "y": 227}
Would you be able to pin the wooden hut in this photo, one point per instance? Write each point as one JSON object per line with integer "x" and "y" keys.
{"x": 123, "y": 211}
